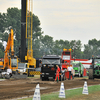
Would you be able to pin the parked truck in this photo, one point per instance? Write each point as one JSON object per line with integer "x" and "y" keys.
{"x": 22, "y": 68}
{"x": 48, "y": 68}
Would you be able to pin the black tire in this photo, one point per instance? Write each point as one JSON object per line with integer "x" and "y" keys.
{"x": 82, "y": 74}
{"x": 3, "y": 77}
{"x": 7, "y": 77}
{"x": 42, "y": 78}
{"x": 91, "y": 73}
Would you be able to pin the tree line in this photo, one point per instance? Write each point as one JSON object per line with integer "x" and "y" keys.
{"x": 42, "y": 45}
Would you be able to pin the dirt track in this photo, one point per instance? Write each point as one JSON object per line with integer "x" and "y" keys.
{"x": 12, "y": 88}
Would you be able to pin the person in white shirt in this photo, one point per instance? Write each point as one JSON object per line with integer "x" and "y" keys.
{"x": 70, "y": 69}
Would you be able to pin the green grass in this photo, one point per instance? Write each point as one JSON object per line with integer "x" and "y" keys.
{"x": 70, "y": 94}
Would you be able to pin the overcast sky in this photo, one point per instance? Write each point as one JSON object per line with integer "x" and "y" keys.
{"x": 65, "y": 19}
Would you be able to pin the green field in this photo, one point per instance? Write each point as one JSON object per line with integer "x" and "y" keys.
{"x": 74, "y": 94}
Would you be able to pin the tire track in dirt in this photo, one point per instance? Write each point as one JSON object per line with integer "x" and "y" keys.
{"x": 12, "y": 88}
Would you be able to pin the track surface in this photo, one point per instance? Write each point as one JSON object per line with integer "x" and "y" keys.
{"x": 12, "y": 88}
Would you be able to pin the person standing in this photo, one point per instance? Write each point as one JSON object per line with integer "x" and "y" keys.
{"x": 57, "y": 73}
{"x": 70, "y": 69}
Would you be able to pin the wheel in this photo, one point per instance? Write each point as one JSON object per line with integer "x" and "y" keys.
{"x": 82, "y": 74}
{"x": 42, "y": 78}
{"x": 7, "y": 76}
{"x": 91, "y": 73}
{"x": 3, "y": 76}
{"x": 79, "y": 74}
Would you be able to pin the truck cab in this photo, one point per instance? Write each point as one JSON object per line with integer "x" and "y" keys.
{"x": 48, "y": 68}
{"x": 22, "y": 68}
{"x": 66, "y": 58}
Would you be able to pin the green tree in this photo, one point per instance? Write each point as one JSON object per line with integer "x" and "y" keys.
{"x": 59, "y": 45}
{"x": 37, "y": 34}
{"x": 94, "y": 46}
{"x": 1, "y": 54}
{"x": 87, "y": 51}
{"x": 2, "y": 22}
{"x": 93, "y": 42}
{"x": 37, "y": 30}
{"x": 47, "y": 44}
{"x": 12, "y": 20}
{"x": 76, "y": 46}
{"x": 1, "y": 50}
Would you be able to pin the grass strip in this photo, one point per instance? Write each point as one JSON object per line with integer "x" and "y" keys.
{"x": 70, "y": 94}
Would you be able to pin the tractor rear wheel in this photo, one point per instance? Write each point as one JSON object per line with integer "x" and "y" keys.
{"x": 42, "y": 78}
{"x": 91, "y": 73}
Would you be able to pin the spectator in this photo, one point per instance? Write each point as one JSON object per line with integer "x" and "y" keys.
{"x": 70, "y": 69}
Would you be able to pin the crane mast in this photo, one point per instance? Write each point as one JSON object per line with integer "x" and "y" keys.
{"x": 29, "y": 25}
